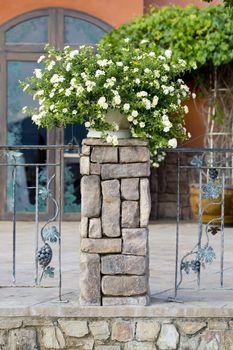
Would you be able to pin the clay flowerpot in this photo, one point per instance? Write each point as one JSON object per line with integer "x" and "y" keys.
{"x": 114, "y": 116}
{"x": 212, "y": 211}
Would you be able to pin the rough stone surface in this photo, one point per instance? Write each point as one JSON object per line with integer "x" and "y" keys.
{"x": 145, "y": 202}
{"x": 147, "y": 330}
{"x": 122, "y": 331}
{"x": 130, "y": 214}
{"x": 135, "y": 241}
{"x": 217, "y": 325}
{"x": 190, "y": 328}
{"x": 95, "y": 228}
{"x": 104, "y": 155}
{"x": 121, "y": 142}
{"x": 89, "y": 279}
{"x": 84, "y": 165}
{"x": 210, "y": 341}
{"x": 53, "y": 338}
{"x": 187, "y": 343}
{"x": 101, "y": 246}
{"x": 80, "y": 343}
{"x": 133, "y": 154}
{"x": 227, "y": 341}
{"x": 108, "y": 347}
{"x": 168, "y": 337}
{"x": 134, "y": 345}
{"x": 91, "y": 198}
{"x": 74, "y": 328}
{"x": 100, "y": 330}
{"x": 130, "y": 189}
{"x": 3, "y": 337}
{"x": 111, "y": 208}
{"x": 22, "y": 339}
{"x": 118, "y": 171}
{"x": 124, "y": 285}
{"x": 123, "y": 264}
{"x": 86, "y": 150}
{"x": 95, "y": 169}
{"x": 84, "y": 226}
{"x": 8, "y": 323}
{"x": 112, "y": 301}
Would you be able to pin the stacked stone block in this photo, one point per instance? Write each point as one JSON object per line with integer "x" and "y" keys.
{"x": 114, "y": 257}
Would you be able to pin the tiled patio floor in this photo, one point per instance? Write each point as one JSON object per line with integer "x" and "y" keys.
{"x": 162, "y": 258}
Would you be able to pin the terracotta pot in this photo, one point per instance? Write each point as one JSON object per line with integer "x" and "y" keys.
{"x": 212, "y": 211}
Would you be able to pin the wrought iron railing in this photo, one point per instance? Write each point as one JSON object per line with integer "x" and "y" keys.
{"x": 40, "y": 181}
{"x": 211, "y": 171}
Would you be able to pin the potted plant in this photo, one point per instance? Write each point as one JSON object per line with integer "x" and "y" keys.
{"x": 203, "y": 37}
{"x": 102, "y": 90}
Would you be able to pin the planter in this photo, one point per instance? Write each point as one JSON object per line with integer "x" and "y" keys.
{"x": 212, "y": 211}
{"x": 114, "y": 116}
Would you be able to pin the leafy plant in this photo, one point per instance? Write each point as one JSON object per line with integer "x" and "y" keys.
{"x": 200, "y": 36}
{"x": 79, "y": 86}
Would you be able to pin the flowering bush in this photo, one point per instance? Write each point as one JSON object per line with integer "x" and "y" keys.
{"x": 79, "y": 86}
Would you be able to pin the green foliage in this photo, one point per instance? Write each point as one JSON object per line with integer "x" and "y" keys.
{"x": 79, "y": 86}
{"x": 200, "y": 36}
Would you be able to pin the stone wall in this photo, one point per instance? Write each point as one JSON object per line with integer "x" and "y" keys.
{"x": 41, "y": 333}
{"x": 164, "y": 188}
{"x": 114, "y": 258}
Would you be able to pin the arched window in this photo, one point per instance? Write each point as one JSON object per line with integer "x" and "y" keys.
{"x": 22, "y": 42}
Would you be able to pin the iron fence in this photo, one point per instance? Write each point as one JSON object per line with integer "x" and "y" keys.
{"x": 211, "y": 179}
{"x": 35, "y": 187}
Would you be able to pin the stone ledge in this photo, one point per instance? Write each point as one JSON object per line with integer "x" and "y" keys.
{"x": 121, "y": 142}
{"x": 160, "y": 310}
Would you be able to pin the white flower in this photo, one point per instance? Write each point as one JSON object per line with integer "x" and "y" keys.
{"x": 142, "y": 94}
{"x": 114, "y": 140}
{"x": 52, "y": 107}
{"x": 38, "y": 73}
{"x": 178, "y": 101}
{"x": 74, "y": 112}
{"x": 68, "y": 66}
{"x": 56, "y": 79}
{"x": 125, "y": 68}
{"x": 155, "y": 101}
{"x": 147, "y": 70}
{"x": 168, "y": 53}
{"x": 172, "y": 143}
{"x": 51, "y": 94}
{"x": 186, "y": 109}
{"x": 65, "y": 110}
{"x": 194, "y": 95}
{"x": 102, "y": 102}
{"x": 36, "y": 119}
{"x": 189, "y": 135}
{"x": 152, "y": 54}
{"x": 144, "y": 41}
{"x": 109, "y": 139}
{"x": 110, "y": 82}
{"x": 137, "y": 81}
{"x": 74, "y": 53}
{"x": 126, "y": 40}
{"x": 24, "y": 109}
{"x": 41, "y": 58}
{"x": 90, "y": 84}
{"x": 156, "y": 73}
{"x": 116, "y": 100}
{"x": 99, "y": 72}
{"x": 51, "y": 64}
{"x": 162, "y": 58}
{"x": 102, "y": 63}
{"x": 83, "y": 75}
{"x": 68, "y": 92}
{"x": 130, "y": 118}
{"x": 166, "y": 67}
{"x": 126, "y": 107}
{"x": 79, "y": 90}
{"x": 119, "y": 64}
{"x": 26, "y": 87}
{"x": 134, "y": 113}
{"x": 135, "y": 122}
{"x": 166, "y": 129}
{"x": 146, "y": 103}
{"x": 40, "y": 92}
{"x": 142, "y": 124}
{"x": 87, "y": 124}
{"x": 58, "y": 58}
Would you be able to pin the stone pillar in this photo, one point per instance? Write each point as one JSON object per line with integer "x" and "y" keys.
{"x": 114, "y": 257}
